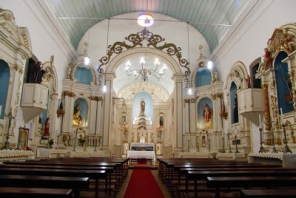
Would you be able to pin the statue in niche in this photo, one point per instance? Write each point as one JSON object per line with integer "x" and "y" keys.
{"x": 138, "y": 137}
{"x": 207, "y": 114}
{"x": 77, "y": 119}
{"x": 46, "y": 127}
{"x": 142, "y": 107}
{"x": 235, "y": 109}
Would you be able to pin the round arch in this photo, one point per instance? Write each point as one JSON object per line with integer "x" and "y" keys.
{"x": 118, "y": 58}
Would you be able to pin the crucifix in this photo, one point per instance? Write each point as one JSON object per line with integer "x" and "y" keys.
{"x": 10, "y": 117}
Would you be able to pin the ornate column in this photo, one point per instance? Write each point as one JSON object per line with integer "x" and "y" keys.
{"x": 68, "y": 106}
{"x": 53, "y": 116}
{"x": 107, "y": 109}
{"x": 179, "y": 114}
{"x": 187, "y": 114}
{"x": 266, "y": 107}
{"x": 93, "y": 110}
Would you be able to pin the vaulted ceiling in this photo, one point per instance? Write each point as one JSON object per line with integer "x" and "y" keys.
{"x": 212, "y": 18}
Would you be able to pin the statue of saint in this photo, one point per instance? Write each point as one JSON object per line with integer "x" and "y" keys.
{"x": 142, "y": 106}
{"x": 46, "y": 127}
{"x": 77, "y": 119}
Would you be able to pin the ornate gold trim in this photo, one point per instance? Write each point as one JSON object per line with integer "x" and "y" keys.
{"x": 69, "y": 94}
{"x": 153, "y": 40}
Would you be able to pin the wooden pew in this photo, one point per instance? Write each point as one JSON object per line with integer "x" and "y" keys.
{"x": 118, "y": 164}
{"x": 94, "y": 174}
{"x": 268, "y": 193}
{"x": 16, "y": 192}
{"x": 249, "y": 182}
{"x": 33, "y": 181}
{"x": 202, "y": 175}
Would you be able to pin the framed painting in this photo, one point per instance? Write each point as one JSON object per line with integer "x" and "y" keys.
{"x": 22, "y": 142}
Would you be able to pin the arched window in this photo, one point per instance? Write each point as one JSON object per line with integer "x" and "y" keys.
{"x": 4, "y": 82}
{"x": 234, "y": 104}
{"x": 203, "y": 77}
{"x": 83, "y": 75}
{"x": 283, "y": 83}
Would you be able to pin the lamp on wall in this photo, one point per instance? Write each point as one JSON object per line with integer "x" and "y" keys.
{"x": 145, "y": 71}
{"x": 85, "y": 57}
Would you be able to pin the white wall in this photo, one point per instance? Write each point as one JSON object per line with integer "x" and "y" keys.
{"x": 250, "y": 39}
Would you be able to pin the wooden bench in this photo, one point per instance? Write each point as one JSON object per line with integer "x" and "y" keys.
{"x": 33, "y": 181}
{"x": 268, "y": 193}
{"x": 249, "y": 182}
{"x": 94, "y": 174}
{"x": 17, "y": 192}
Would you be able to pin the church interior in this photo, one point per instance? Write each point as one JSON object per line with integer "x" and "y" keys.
{"x": 148, "y": 79}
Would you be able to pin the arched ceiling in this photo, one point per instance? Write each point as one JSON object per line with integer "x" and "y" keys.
{"x": 212, "y": 18}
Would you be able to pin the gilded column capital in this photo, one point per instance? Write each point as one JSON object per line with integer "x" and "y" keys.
{"x": 69, "y": 94}
{"x": 214, "y": 96}
{"x": 186, "y": 100}
{"x": 193, "y": 100}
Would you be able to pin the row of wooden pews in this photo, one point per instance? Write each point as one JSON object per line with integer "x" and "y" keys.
{"x": 73, "y": 177}
{"x": 211, "y": 177}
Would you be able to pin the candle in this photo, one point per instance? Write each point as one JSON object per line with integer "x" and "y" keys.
{"x": 282, "y": 119}
{"x": 259, "y": 120}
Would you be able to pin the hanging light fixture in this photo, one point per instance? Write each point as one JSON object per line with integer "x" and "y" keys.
{"x": 145, "y": 70}
{"x": 145, "y": 20}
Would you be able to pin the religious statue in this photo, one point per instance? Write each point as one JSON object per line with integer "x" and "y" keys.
{"x": 77, "y": 119}
{"x": 138, "y": 137}
{"x": 235, "y": 110}
{"x": 46, "y": 127}
{"x": 142, "y": 107}
{"x": 132, "y": 138}
{"x": 36, "y": 72}
{"x": 207, "y": 114}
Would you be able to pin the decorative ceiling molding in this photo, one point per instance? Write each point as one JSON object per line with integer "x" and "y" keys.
{"x": 136, "y": 40}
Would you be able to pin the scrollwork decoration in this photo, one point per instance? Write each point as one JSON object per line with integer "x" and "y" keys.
{"x": 136, "y": 41}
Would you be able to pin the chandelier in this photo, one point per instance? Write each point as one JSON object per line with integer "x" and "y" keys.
{"x": 145, "y": 70}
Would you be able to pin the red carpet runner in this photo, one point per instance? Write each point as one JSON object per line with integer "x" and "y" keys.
{"x": 142, "y": 185}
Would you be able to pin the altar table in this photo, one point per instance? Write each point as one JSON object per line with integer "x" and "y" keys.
{"x": 141, "y": 155}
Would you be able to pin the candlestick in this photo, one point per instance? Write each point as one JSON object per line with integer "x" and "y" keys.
{"x": 282, "y": 119}
{"x": 259, "y": 120}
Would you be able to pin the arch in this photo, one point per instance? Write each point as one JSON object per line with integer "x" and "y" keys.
{"x": 83, "y": 111}
{"x": 117, "y": 59}
{"x": 90, "y": 67}
{"x": 158, "y": 93}
{"x": 238, "y": 74}
{"x": 152, "y": 41}
{"x": 203, "y": 77}
{"x": 283, "y": 83}
{"x": 4, "y": 82}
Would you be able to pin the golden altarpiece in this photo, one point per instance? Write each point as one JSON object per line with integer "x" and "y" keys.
{"x": 277, "y": 74}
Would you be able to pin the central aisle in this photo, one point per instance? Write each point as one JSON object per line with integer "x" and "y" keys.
{"x": 142, "y": 184}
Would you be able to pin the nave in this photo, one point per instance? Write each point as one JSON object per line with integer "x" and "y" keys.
{"x": 169, "y": 177}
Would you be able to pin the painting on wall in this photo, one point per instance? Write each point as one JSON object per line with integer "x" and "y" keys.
{"x": 204, "y": 114}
